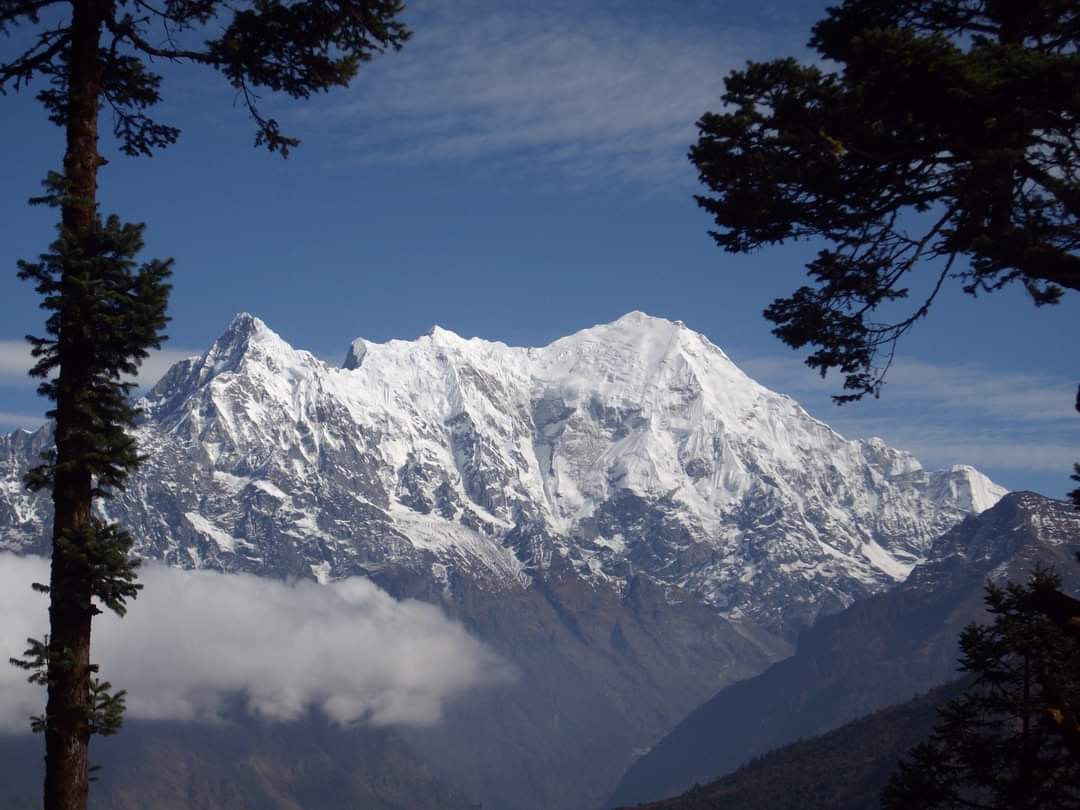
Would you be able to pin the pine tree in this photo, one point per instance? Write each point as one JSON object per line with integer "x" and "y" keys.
{"x": 948, "y": 140}
{"x": 1000, "y": 744}
{"x": 106, "y": 310}
{"x": 944, "y": 146}
{"x": 1075, "y": 494}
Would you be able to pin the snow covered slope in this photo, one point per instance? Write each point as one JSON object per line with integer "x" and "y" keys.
{"x": 635, "y": 447}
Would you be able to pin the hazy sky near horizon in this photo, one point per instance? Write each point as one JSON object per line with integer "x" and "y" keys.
{"x": 518, "y": 173}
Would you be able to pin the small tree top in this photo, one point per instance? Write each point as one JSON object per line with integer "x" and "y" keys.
{"x": 947, "y": 138}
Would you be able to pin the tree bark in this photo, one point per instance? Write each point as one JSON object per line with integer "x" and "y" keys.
{"x": 67, "y": 732}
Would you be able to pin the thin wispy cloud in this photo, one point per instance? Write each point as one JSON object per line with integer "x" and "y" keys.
{"x": 978, "y": 389}
{"x": 589, "y": 94}
{"x": 10, "y": 421}
{"x": 970, "y": 387}
{"x": 16, "y": 360}
{"x": 945, "y": 413}
{"x": 195, "y": 640}
{"x": 153, "y": 368}
{"x": 937, "y": 447}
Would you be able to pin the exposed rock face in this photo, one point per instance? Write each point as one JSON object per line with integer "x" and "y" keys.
{"x": 879, "y": 651}
{"x": 623, "y": 513}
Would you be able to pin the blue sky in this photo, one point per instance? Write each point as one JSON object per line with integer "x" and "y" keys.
{"x": 518, "y": 172}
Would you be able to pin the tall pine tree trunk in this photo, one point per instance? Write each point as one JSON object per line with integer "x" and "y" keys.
{"x": 67, "y": 733}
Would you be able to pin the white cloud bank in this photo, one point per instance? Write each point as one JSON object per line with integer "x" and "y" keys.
{"x": 195, "y": 639}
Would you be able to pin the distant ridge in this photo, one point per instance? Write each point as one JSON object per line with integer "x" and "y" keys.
{"x": 844, "y": 769}
{"x": 879, "y": 651}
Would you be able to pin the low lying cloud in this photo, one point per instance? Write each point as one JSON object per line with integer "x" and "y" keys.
{"x": 196, "y": 639}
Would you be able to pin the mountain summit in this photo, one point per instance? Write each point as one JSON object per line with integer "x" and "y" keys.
{"x": 634, "y": 447}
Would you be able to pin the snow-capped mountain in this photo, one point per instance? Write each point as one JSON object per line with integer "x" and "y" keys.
{"x": 619, "y": 514}
{"x": 631, "y": 448}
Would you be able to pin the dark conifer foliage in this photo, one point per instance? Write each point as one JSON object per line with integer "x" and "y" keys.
{"x": 1075, "y": 494}
{"x": 1001, "y": 744}
{"x": 946, "y": 144}
{"x": 105, "y": 47}
{"x": 106, "y": 311}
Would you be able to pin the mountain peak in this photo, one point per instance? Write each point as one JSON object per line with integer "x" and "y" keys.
{"x": 444, "y": 337}
{"x": 243, "y": 331}
{"x": 245, "y": 319}
{"x": 355, "y": 356}
{"x": 247, "y": 346}
{"x": 636, "y": 337}
{"x": 969, "y": 487}
{"x": 636, "y": 316}
{"x": 244, "y": 324}
{"x": 638, "y": 321}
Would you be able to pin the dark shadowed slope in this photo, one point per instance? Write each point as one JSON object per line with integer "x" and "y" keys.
{"x": 844, "y": 769}
{"x": 240, "y": 765}
{"x": 880, "y": 651}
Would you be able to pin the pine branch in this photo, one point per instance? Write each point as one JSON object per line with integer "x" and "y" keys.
{"x": 39, "y": 59}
